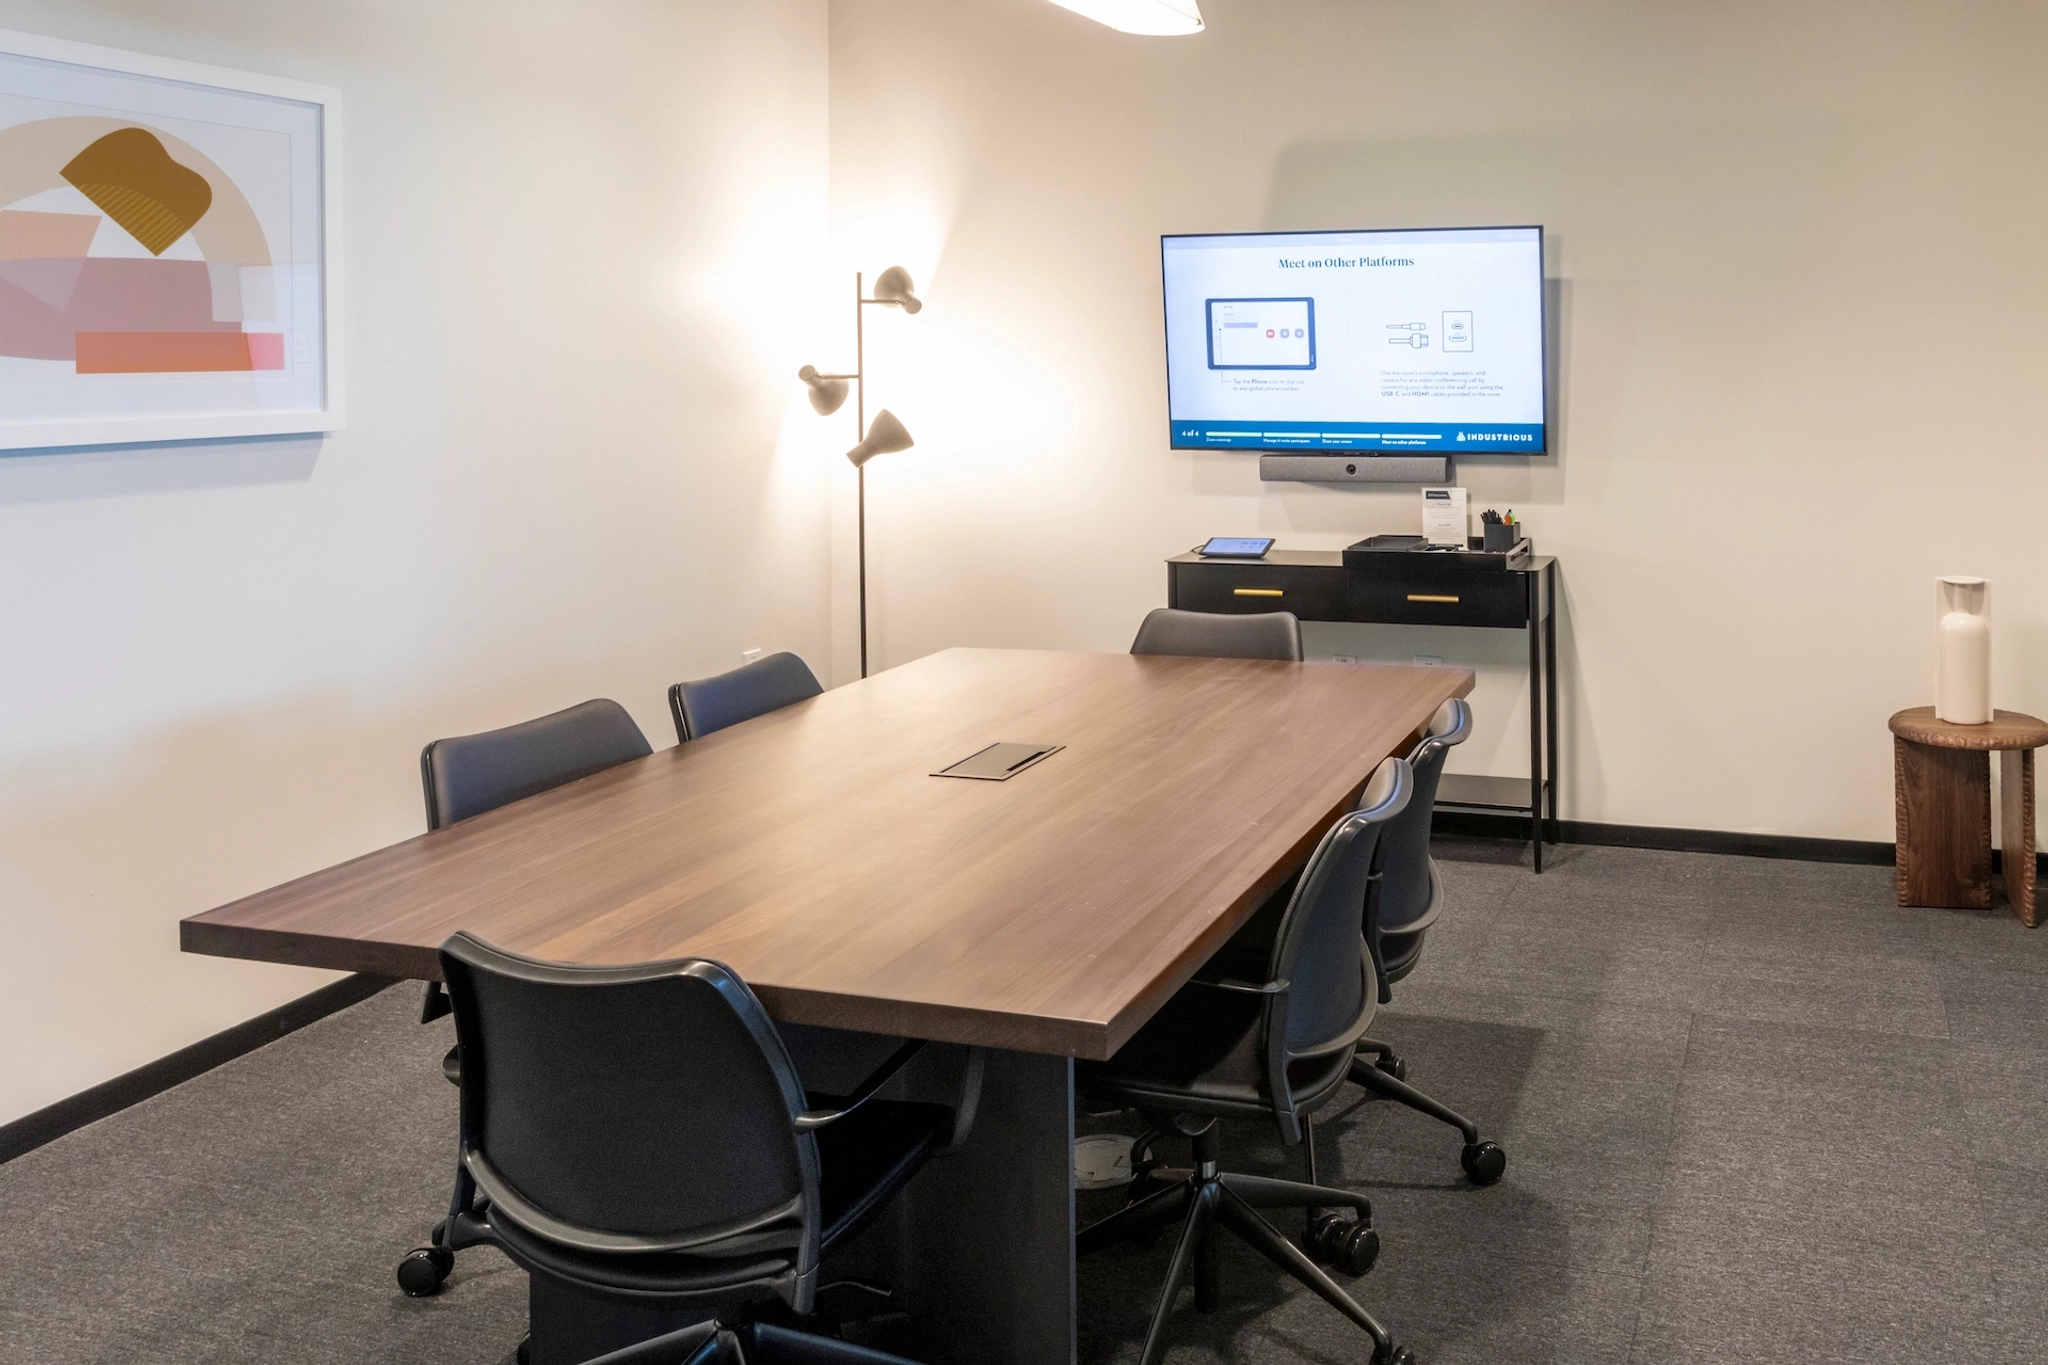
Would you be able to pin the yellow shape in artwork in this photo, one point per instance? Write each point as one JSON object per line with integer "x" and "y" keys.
{"x": 132, "y": 179}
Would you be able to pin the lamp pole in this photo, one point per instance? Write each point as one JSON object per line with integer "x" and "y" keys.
{"x": 860, "y": 433}
{"x": 895, "y": 289}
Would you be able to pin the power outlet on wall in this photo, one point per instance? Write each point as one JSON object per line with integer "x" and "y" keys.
{"x": 748, "y": 656}
{"x": 1343, "y": 658}
{"x": 1429, "y": 661}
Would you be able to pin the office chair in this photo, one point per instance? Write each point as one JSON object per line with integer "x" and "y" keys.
{"x": 1217, "y": 635}
{"x": 751, "y": 690}
{"x": 755, "y": 1343}
{"x": 1408, "y": 897}
{"x": 638, "y": 1136}
{"x": 1277, "y": 1046}
{"x": 470, "y": 774}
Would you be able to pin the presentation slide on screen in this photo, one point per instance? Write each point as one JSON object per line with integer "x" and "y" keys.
{"x": 1356, "y": 340}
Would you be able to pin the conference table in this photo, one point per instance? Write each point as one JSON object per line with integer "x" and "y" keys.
{"x": 1039, "y": 919}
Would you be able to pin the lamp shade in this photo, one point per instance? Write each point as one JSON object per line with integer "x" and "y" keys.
{"x": 826, "y": 394}
{"x": 893, "y": 286}
{"x": 1153, "y": 17}
{"x": 885, "y": 434}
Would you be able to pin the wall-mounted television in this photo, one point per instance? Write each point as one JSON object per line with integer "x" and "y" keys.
{"x": 1373, "y": 343}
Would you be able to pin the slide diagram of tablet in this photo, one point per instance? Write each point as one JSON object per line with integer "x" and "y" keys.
{"x": 1262, "y": 334}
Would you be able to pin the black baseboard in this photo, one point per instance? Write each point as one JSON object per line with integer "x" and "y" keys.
{"x": 1515, "y": 829}
{"x": 31, "y": 1131}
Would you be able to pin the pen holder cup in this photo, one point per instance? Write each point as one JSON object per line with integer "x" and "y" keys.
{"x": 1500, "y": 538}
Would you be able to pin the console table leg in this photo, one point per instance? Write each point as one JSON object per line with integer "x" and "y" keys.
{"x": 2016, "y": 831}
{"x": 1536, "y": 742}
{"x": 1549, "y": 584}
{"x": 1944, "y": 825}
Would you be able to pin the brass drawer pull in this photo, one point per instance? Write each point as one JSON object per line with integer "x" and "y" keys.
{"x": 1264, "y": 592}
{"x": 1432, "y": 597}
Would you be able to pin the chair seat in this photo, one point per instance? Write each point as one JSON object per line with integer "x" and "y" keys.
{"x": 863, "y": 1160}
{"x": 1203, "y": 1054}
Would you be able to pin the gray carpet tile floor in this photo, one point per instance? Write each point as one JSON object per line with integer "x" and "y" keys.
{"x": 1755, "y": 1111}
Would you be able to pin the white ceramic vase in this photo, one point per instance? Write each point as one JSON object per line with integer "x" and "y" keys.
{"x": 1962, "y": 632}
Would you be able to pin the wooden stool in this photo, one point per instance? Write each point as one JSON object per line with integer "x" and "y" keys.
{"x": 1943, "y": 791}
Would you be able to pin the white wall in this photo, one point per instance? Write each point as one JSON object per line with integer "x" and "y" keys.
{"x": 583, "y": 243}
{"x": 1801, "y": 275}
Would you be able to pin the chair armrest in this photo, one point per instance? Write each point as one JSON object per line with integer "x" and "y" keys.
{"x": 970, "y": 1101}
{"x": 676, "y": 1348}
{"x": 1373, "y": 934}
{"x": 1245, "y": 987}
{"x": 813, "y": 1119}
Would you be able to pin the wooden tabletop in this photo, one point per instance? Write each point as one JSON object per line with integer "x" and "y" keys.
{"x": 2005, "y": 730}
{"x": 811, "y": 850}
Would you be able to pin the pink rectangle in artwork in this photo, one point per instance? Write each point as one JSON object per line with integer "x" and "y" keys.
{"x": 178, "y": 352}
{"x": 266, "y": 350}
{"x": 31, "y": 236}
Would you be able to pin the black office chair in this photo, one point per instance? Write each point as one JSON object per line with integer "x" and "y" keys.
{"x": 752, "y": 690}
{"x": 1280, "y": 1047}
{"x": 1218, "y": 635}
{"x": 638, "y": 1136}
{"x": 1408, "y": 897}
{"x": 470, "y": 774}
{"x": 755, "y": 1343}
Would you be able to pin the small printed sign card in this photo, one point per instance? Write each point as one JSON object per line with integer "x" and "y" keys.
{"x": 1443, "y": 516}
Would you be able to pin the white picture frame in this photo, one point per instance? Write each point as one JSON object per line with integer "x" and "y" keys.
{"x": 265, "y": 359}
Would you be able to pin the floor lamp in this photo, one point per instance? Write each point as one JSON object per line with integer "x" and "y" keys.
{"x": 893, "y": 289}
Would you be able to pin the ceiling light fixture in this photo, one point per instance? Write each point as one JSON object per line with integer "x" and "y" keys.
{"x": 1165, "y": 18}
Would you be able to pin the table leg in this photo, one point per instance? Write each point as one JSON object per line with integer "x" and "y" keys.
{"x": 568, "y": 1327}
{"x": 989, "y": 1268}
{"x": 2016, "y": 831}
{"x": 1943, "y": 805}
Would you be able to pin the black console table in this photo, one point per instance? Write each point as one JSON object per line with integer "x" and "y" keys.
{"x": 1411, "y": 590}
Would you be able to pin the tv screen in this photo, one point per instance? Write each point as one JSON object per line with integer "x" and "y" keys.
{"x": 1356, "y": 342}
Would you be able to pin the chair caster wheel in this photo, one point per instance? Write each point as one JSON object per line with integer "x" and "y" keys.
{"x": 1397, "y": 1067}
{"x": 423, "y": 1271}
{"x": 1352, "y": 1245}
{"x": 525, "y": 1351}
{"x": 1484, "y": 1162}
{"x": 1395, "y": 1355}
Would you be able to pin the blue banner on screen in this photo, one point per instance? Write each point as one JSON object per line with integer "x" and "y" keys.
{"x": 1356, "y": 436}
{"x": 1356, "y": 341}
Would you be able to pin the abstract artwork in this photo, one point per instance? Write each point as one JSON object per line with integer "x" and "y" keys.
{"x": 169, "y": 257}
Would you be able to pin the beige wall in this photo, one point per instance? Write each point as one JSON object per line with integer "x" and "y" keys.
{"x": 1801, "y": 276}
{"x": 581, "y": 242}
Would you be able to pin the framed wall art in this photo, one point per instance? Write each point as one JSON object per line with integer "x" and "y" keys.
{"x": 169, "y": 249}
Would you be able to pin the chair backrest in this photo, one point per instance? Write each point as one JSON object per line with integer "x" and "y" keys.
{"x": 631, "y": 1109}
{"x": 751, "y": 690}
{"x": 1405, "y": 885}
{"x": 470, "y": 774}
{"x": 1217, "y": 635}
{"x": 1329, "y": 999}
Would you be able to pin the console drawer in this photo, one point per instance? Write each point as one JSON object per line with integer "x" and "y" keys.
{"x": 1313, "y": 593}
{"x": 1479, "y": 599}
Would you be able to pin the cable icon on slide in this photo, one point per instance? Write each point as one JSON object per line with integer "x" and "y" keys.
{"x": 1414, "y": 334}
